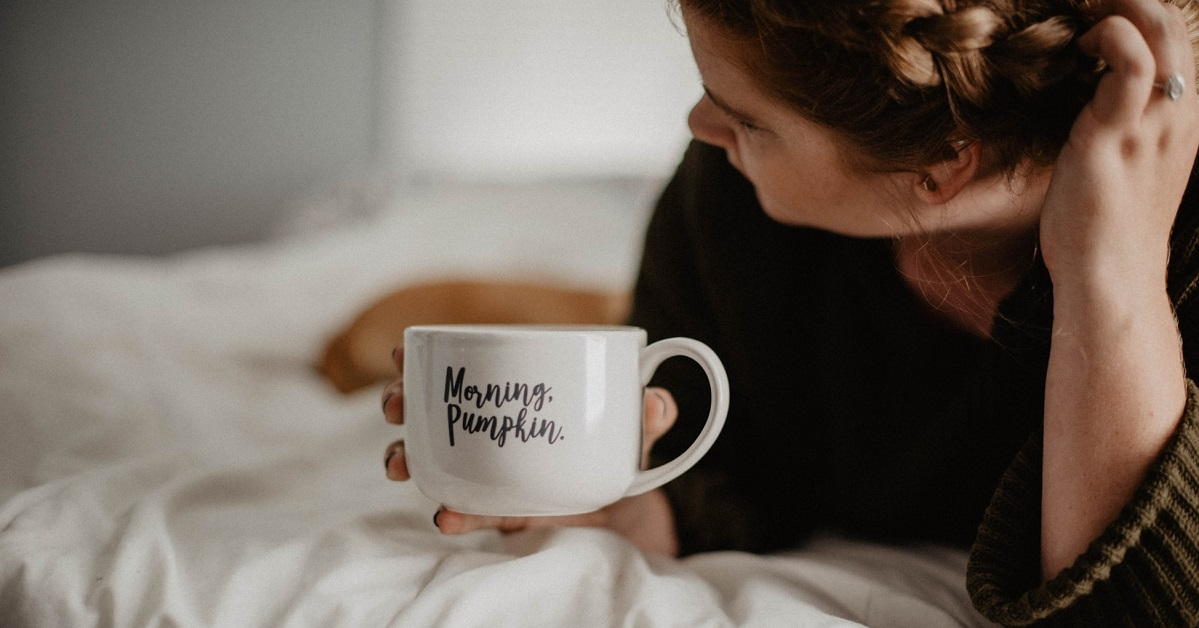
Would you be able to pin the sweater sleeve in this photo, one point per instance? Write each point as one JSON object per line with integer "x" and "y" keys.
{"x": 1142, "y": 571}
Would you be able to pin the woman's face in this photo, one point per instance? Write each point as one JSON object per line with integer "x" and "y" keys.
{"x": 798, "y": 168}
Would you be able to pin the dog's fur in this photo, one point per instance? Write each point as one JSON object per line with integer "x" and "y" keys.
{"x": 360, "y": 355}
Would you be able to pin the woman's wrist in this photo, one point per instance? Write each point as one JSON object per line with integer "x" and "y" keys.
{"x": 1107, "y": 283}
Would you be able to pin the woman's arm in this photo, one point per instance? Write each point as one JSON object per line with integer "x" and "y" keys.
{"x": 1116, "y": 383}
{"x": 1114, "y": 394}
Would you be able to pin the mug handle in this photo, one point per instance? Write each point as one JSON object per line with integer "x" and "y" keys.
{"x": 653, "y": 356}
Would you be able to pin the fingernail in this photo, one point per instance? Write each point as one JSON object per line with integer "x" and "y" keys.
{"x": 387, "y": 459}
{"x": 435, "y": 515}
{"x": 387, "y": 398}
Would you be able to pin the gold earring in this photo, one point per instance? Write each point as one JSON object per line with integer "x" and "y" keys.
{"x": 928, "y": 184}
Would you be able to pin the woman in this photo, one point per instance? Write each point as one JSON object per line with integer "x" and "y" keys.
{"x": 944, "y": 250}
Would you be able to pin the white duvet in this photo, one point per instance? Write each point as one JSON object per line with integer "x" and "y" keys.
{"x": 169, "y": 456}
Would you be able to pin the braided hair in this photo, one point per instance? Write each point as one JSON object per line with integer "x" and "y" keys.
{"x": 908, "y": 82}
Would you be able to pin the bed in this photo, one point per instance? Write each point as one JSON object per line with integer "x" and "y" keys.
{"x": 171, "y": 457}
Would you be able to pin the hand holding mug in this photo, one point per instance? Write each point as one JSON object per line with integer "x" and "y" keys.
{"x": 646, "y": 519}
{"x": 523, "y": 426}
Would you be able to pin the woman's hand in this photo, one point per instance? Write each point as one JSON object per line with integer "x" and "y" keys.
{"x": 646, "y": 519}
{"x": 1115, "y": 388}
{"x": 1116, "y": 187}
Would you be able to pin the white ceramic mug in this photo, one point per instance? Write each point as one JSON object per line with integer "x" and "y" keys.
{"x": 520, "y": 420}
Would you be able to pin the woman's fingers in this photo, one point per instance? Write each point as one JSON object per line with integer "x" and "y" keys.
{"x": 393, "y": 402}
{"x": 397, "y": 356}
{"x": 1179, "y": 58}
{"x": 1126, "y": 88}
{"x": 660, "y": 415}
{"x": 395, "y": 462}
{"x": 393, "y": 394}
{"x": 1143, "y": 43}
{"x": 450, "y": 522}
{"x": 1160, "y": 24}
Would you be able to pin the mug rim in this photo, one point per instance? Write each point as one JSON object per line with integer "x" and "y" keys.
{"x": 522, "y": 328}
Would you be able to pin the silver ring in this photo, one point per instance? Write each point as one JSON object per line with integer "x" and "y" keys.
{"x": 1174, "y": 87}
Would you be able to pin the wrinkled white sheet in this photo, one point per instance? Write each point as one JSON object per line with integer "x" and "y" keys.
{"x": 169, "y": 457}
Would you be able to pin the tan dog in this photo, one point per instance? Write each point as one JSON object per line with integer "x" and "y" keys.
{"x": 360, "y": 355}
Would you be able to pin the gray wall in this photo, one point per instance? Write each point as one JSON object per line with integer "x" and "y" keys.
{"x": 147, "y": 126}
{"x": 151, "y": 126}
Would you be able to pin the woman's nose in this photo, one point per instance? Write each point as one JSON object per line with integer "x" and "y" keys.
{"x": 709, "y": 124}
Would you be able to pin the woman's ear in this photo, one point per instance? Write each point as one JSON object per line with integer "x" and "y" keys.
{"x": 943, "y": 180}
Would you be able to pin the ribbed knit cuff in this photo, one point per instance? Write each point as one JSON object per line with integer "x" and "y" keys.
{"x": 1142, "y": 571}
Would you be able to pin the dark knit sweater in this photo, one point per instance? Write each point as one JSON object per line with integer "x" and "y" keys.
{"x": 854, "y": 409}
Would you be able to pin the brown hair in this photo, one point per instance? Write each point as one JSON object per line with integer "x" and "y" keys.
{"x": 905, "y": 81}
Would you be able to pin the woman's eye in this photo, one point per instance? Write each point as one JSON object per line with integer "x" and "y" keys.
{"x": 743, "y": 123}
{"x": 748, "y": 126}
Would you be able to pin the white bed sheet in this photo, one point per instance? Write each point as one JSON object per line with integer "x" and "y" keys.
{"x": 169, "y": 456}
